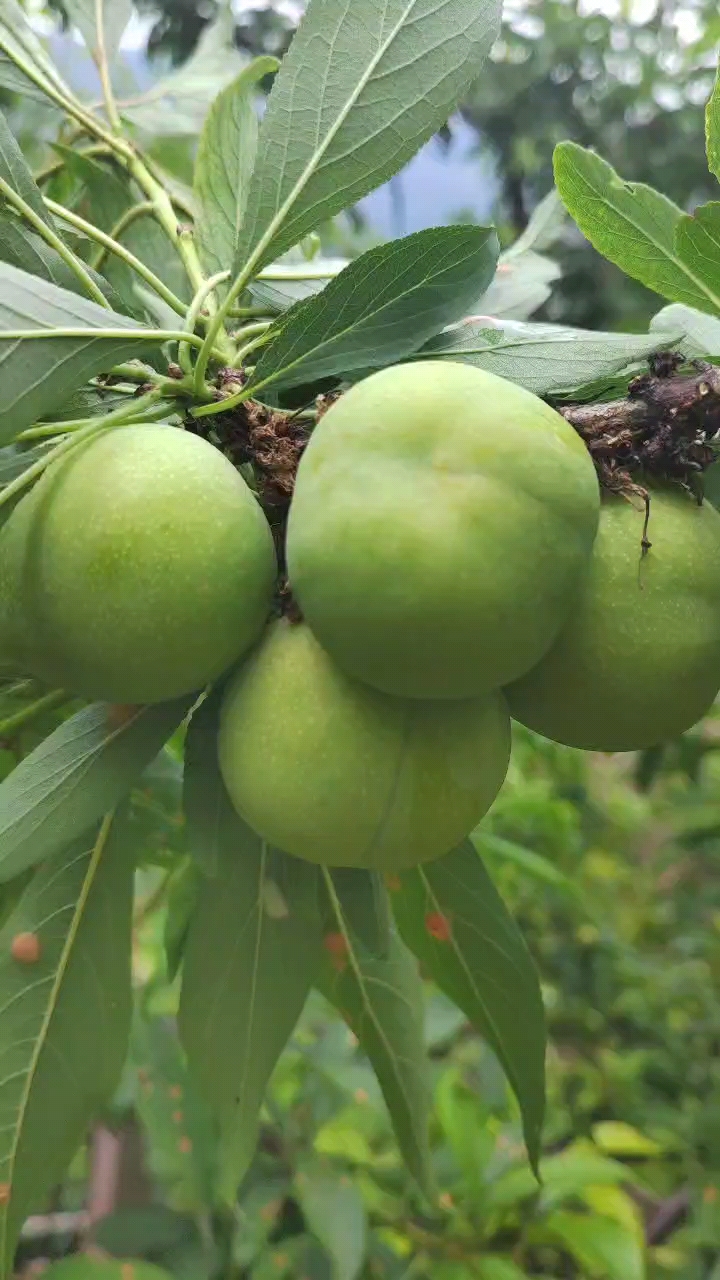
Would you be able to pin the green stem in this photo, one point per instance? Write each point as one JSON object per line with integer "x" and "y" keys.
{"x": 192, "y": 316}
{"x": 120, "y": 251}
{"x": 141, "y": 210}
{"x": 101, "y": 61}
{"x": 53, "y": 239}
{"x": 142, "y": 335}
{"x": 11, "y": 724}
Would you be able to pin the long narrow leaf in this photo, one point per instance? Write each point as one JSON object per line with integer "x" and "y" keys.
{"x": 712, "y": 129}
{"x": 78, "y": 773}
{"x": 225, "y": 159}
{"x": 363, "y": 87}
{"x": 630, "y": 224}
{"x": 39, "y": 372}
{"x": 381, "y": 1000}
{"x": 65, "y": 1017}
{"x": 252, "y": 952}
{"x": 383, "y": 306}
{"x": 545, "y": 358}
{"x": 451, "y": 915}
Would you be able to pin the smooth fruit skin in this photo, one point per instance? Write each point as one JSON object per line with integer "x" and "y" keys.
{"x": 332, "y": 771}
{"x": 639, "y": 660}
{"x": 138, "y": 569}
{"x": 441, "y": 519}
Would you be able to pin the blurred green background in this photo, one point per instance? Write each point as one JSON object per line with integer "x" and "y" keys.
{"x": 610, "y": 864}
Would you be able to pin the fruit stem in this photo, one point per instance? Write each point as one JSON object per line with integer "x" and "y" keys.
{"x": 192, "y": 315}
{"x": 11, "y": 724}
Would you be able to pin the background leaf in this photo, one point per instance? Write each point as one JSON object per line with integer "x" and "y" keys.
{"x": 328, "y": 139}
{"x": 181, "y": 1139}
{"x": 37, "y": 373}
{"x": 384, "y": 305}
{"x": 75, "y": 775}
{"x": 250, "y": 959}
{"x": 178, "y": 103}
{"x": 601, "y": 1246}
{"x": 225, "y": 159}
{"x": 712, "y": 129}
{"x": 381, "y": 1000}
{"x": 66, "y": 1017}
{"x": 545, "y": 358}
{"x": 630, "y": 224}
{"x": 334, "y": 1211}
{"x": 209, "y": 818}
{"x": 85, "y": 1268}
{"x": 278, "y": 293}
{"x": 451, "y": 915}
{"x": 115, "y": 15}
{"x": 698, "y": 334}
{"x": 20, "y": 45}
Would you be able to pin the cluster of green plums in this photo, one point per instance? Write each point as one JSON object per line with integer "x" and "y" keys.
{"x": 454, "y": 565}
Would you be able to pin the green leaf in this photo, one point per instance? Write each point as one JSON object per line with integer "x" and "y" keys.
{"x": 617, "y": 1138}
{"x": 39, "y": 367}
{"x": 86, "y": 1268}
{"x": 546, "y": 223}
{"x": 209, "y": 819}
{"x": 364, "y": 903}
{"x": 381, "y": 999}
{"x": 334, "y": 1211}
{"x": 254, "y": 944}
{"x": 496, "y": 1268}
{"x": 84, "y": 768}
{"x": 712, "y": 129}
{"x": 545, "y": 358}
{"x": 699, "y": 332}
{"x": 362, "y": 88}
{"x": 520, "y": 286}
{"x": 177, "y": 104}
{"x": 182, "y": 897}
{"x": 629, "y": 223}
{"x": 451, "y": 915}
{"x": 25, "y": 51}
{"x": 14, "y": 171}
{"x": 178, "y": 1125}
{"x": 528, "y": 860}
{"x": 225, "y": 159}
{"x": 697, "y": 243}
{"x": 383, "y": 306}
{"x": 114, "y": 15}
{"x": 23, "y": 248}
{"x": 14, "y": 459}
{"x": 104, "y": 195}
{"x": 66, "y": 1017}
{"x": 288, "y": 282}
{"x": 603, "y": 1248}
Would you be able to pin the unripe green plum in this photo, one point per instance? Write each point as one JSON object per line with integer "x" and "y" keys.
{"x": 441, "y": 519}
{"x": 638, "y": 662}
{"x": 139, "y": 567}
{"x": 335, "y": 772}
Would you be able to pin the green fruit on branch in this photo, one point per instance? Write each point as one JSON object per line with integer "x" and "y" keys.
{"x": 639, "y": 660}
{"x": 331, "y": 770}
{"x": 441, "y": 520}
{"x": 138, "y": 569}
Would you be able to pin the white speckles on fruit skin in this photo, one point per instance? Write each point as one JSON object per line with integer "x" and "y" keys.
{"x": 639, "y": 660}
{"x": 144, "y": 566}
{"x": 333, "y": 771}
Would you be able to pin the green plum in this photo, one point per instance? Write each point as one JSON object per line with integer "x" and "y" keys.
{"x": 639, "y": 660}
{"x": 139, "y": 568}
{"x": 335, "y": 772}
{"x": 441, "y": 519}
